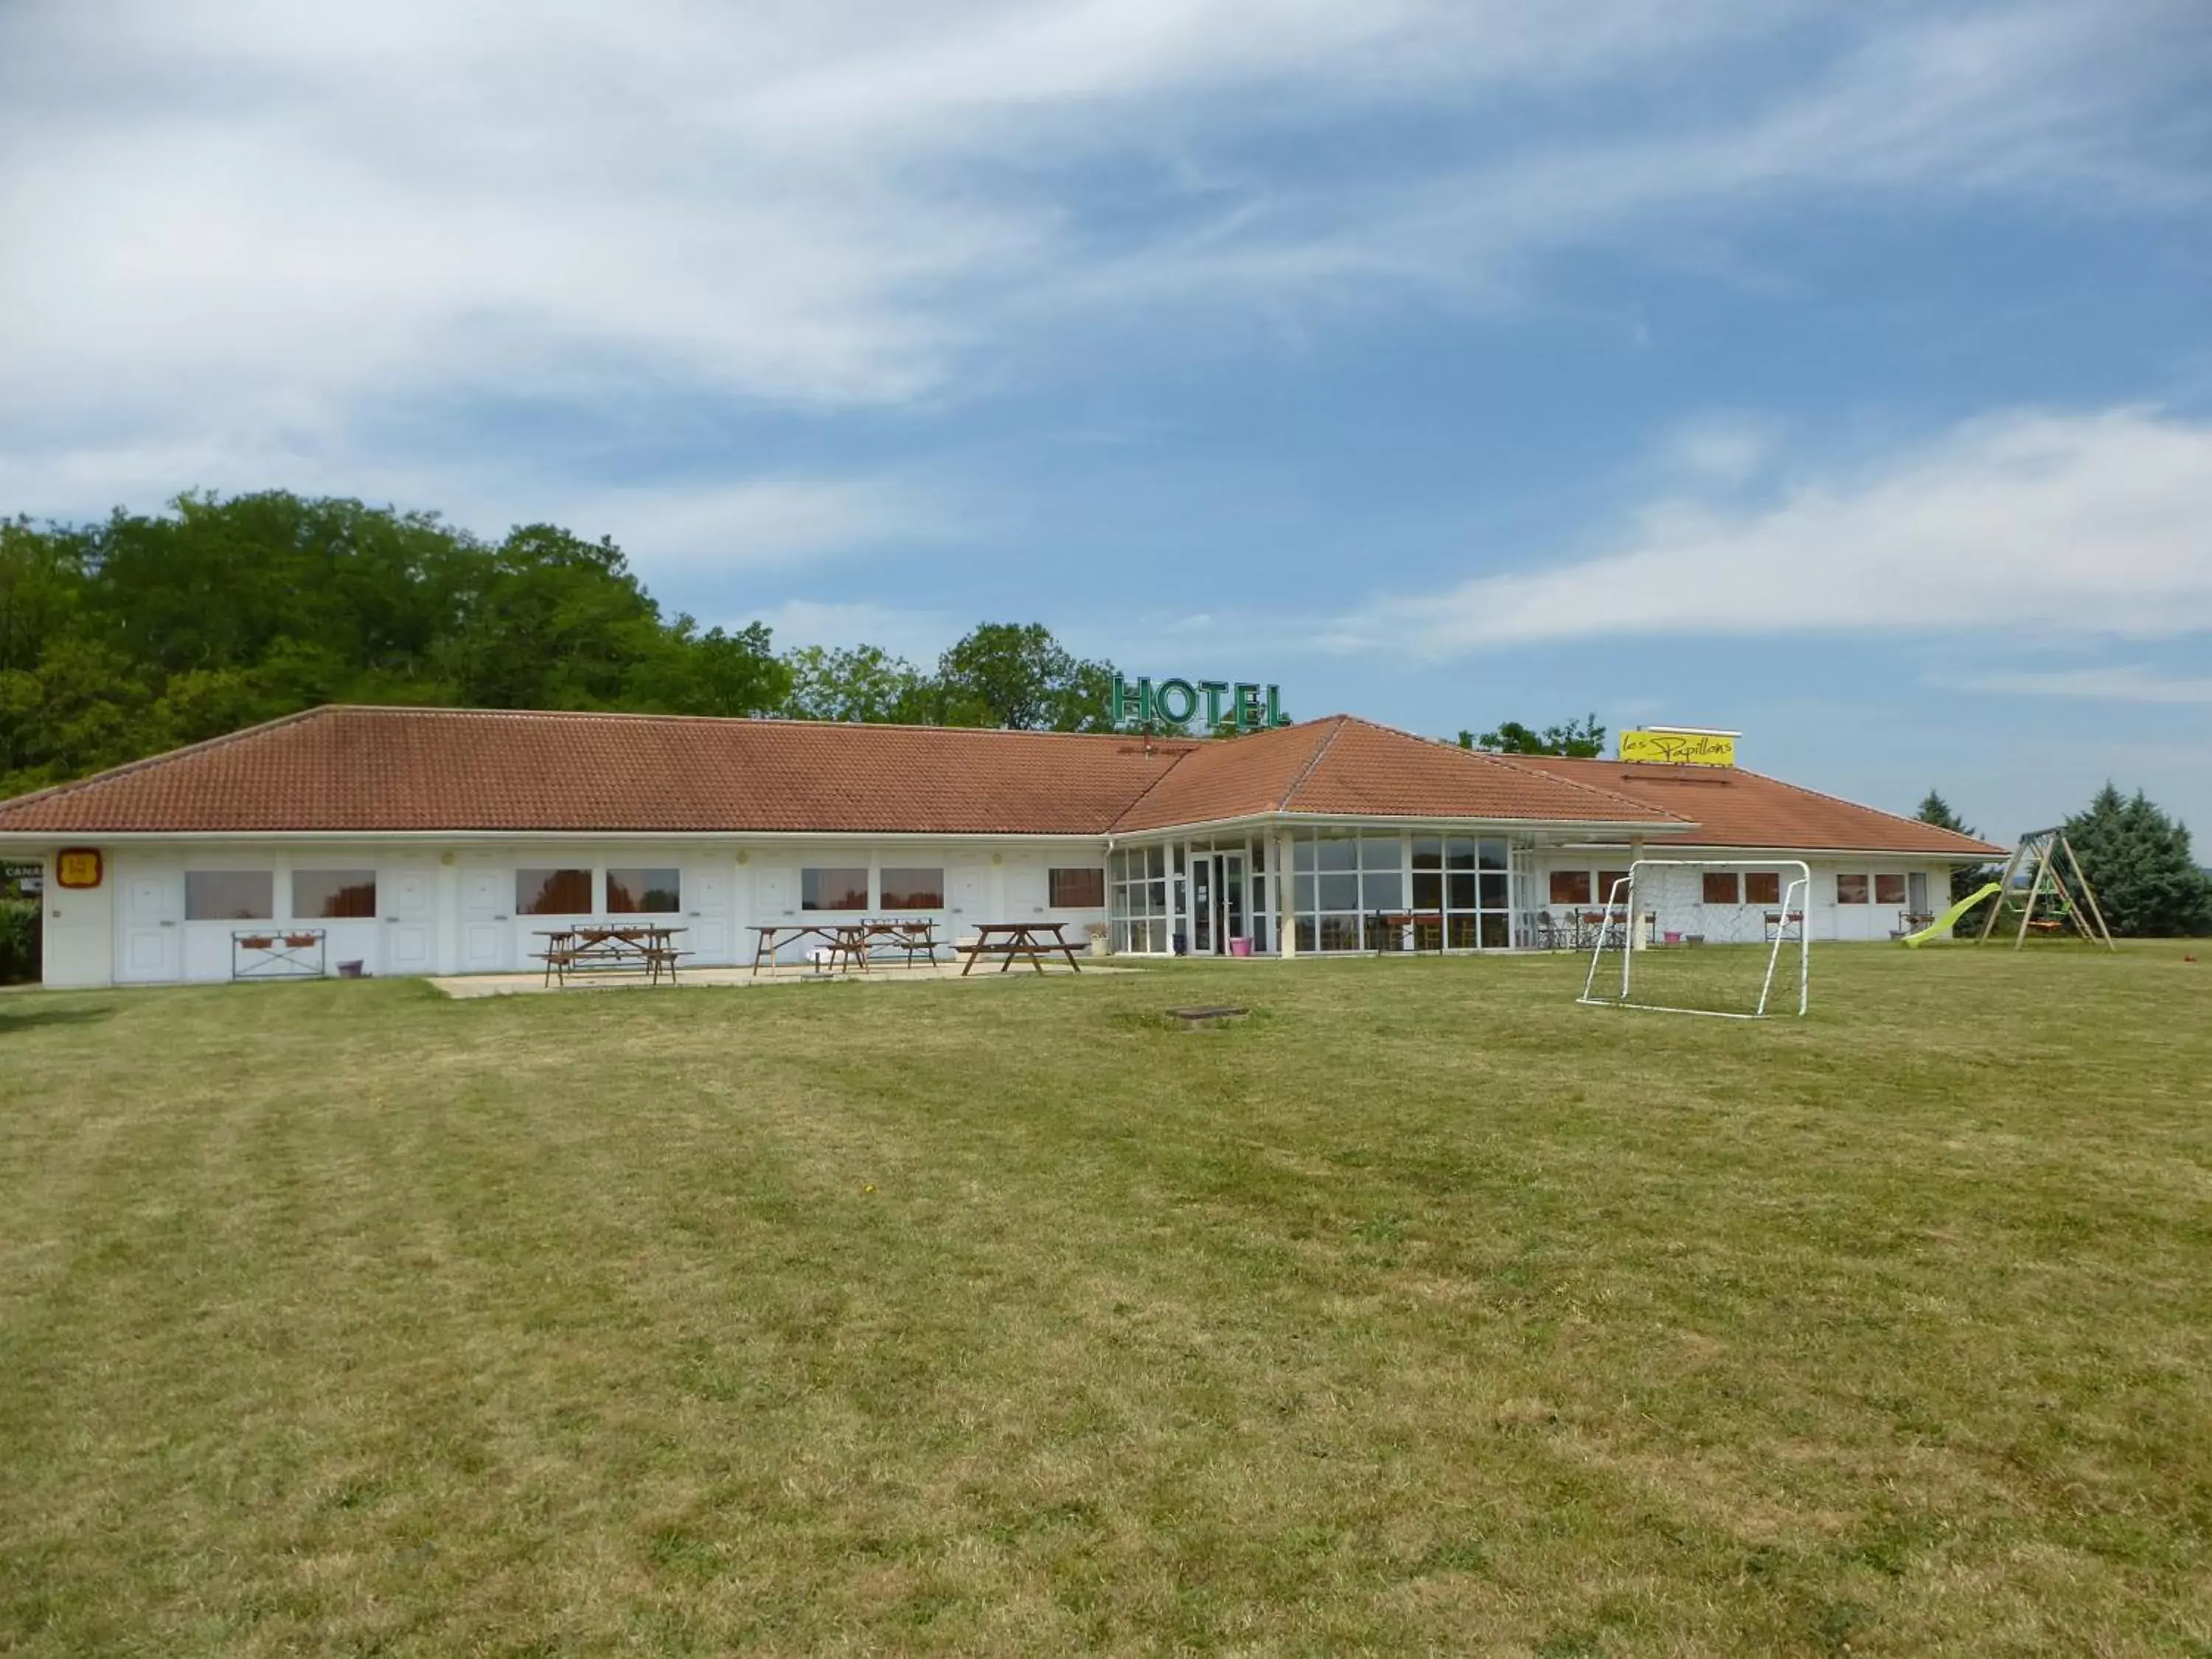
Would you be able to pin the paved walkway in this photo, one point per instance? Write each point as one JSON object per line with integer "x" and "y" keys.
{"x": 532, "y": 984}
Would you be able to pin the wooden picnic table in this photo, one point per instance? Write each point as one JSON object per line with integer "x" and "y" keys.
{"x": 1007, "y": 940}
{"x": 850, "y": 943}
{"x": 611, "y": 947}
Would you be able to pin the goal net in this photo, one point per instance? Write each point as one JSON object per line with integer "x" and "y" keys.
{"x": 1712, "y": 936}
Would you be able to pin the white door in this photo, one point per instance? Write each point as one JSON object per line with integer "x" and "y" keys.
{"x": 486, "y": 928}
{"x": 969, "y": 895}
{"x": 1026, "y": 889}
{"x": 153, "y": 914}
{"x": 411, "y": 920}
{"x": 707, "y": 912}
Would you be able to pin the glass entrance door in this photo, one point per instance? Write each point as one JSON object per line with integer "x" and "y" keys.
{"x": 1229, "y": 886}
{"x": 1203, "y": 929}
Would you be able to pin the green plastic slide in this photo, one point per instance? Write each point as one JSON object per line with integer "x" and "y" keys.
{"x": 1943, "y": 922}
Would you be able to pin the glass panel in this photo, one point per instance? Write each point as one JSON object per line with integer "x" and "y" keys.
{"x": 1301, "y": 893}
{"x": 1720, "y": 887}
{"x": 1762, "y": 887}
{"x": 1382, "y": 890}
{"x": 1571, "y": 887}
{"x": 914, "y": 887}
{"x": 1340, "y": 892}
{"x": 1459, "y": 853}
{"x": 1428, "y": 891}
{"x": 834, "y": 887}
{"x": 1070, "y": 889}
{"x": 1156, "y": 938}
{"x": 1302, "y": 851}
{"x": 1461, "y": 889}
{"x": 1378, "y": 853}
{"x": 1606, "y": 881}
{"x": 1495, "y": 856}
{"x": 1889, "y": 890}
{"x": 1458, "y": 932}
{"x": 1850, "y": 889}
{"x": 1178, "y": 858}
{"x": 1304, "y": 926}
{"x": 230, "y": 895}
{"x": 1259, "y": 852}
{"x": 644, "y": 892}
{"x": 1338, "y": 852}
{"x": 1428, "y": 853}
{"x": 1156, "y": 860}
{"x": 1156, "y": 897}
{"x": 1494, "y": 889}
{"x": 1340, "y": 933}
{"x": 1494, "y": 934}
{"x": 331, "y": 894}
{"x": 553, "y": 892}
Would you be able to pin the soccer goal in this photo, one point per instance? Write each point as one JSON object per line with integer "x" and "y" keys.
{"x": 1724, "y": 937}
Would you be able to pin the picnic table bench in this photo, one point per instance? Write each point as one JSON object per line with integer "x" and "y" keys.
{"x": 616, "y": 947}
{"x": 1011, "y": 941}
{"x": 848, "y": 943}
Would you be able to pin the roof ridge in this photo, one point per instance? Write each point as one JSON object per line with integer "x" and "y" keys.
{"x": 1327, "y": 743}
{"x": 58, "y": 791}
{"x": 1491, "y": 757}
{"x": 1674, "y": 771}
{"x": 451, "y": 710}
{"x": 1198, "y": 746}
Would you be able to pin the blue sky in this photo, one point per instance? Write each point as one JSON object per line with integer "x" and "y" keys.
{"x": 1842, "y": 375}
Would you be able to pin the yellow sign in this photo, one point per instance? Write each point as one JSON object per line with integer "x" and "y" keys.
{"x": 1680, "y": 748}
{"x": 77, "y": 867}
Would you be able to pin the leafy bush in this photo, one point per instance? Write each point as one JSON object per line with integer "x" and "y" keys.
{"x": 19, "y": 941}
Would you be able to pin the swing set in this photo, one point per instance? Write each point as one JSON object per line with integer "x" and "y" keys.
{"x": 2053, "y": 898}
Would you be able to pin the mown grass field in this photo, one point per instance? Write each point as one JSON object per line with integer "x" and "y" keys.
{"x": 1423, "y": 1311}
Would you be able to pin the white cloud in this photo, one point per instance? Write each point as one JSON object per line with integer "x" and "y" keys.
{"x": 919, "y": 635}
{"x": 2058, "y": 524}
{"x": 760, "y": 522}
{"x": 249, "y": 227}
{"x": 2119, "y": 682}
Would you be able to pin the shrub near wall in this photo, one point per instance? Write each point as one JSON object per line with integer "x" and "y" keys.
{"x": 19, "y": 941}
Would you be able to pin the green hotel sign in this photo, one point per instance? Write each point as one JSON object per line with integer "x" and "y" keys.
{"x": 1248, "y": 707}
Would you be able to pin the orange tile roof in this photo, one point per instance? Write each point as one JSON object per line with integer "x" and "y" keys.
{"x": 1345, "y": 767}
{"x": 1733, "y": 807}
{"x": 344, "y": 769}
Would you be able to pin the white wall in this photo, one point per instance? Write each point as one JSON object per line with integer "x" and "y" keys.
{"x": 1828, "y": 920}
{"x": 452, "y": 908}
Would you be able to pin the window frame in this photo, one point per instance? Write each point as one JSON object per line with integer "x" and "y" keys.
{"x": 299, "y": 912}
{"x": 904, "y": 901}
{"x": 1094, "y": 878}
{"x": 1865, "y": 888}
{"x": 818, "y": 871}
{"x": 646, "y": 889}
{"x": 267, "y": 913}
{"x": 551, "y": 872}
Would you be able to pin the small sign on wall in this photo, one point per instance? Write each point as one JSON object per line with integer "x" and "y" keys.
{"x": 77, "y": 867}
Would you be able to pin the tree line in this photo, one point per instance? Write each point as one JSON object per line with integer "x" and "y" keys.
{"x": 135, "y": 635}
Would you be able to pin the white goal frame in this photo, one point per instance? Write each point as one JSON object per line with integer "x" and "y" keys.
{"x": 1797, "y": 895}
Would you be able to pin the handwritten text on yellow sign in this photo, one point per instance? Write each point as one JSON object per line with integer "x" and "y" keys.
{"x": 1679, "y": 748}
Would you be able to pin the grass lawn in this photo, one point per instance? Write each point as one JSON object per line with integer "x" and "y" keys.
{"x": 1424, "y": 1311}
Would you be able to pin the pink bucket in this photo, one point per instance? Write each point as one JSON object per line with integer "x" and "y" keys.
{"x": 1240, "y": 947}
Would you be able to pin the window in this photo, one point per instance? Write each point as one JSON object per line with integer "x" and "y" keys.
{"x": 1889, "y": 890}
{"x": 913, "y": 889}
{"x": 1850, "y": 889}
{"x": 1075, "y": 889}
{"x": 332, "y": 894}
{"x": 553, "y": 892}
{"x": 1762, "y": 887}
{"x": 1721, "y": 887}
{"x": 229, "y": 895}
{"x": 1571, "y": 887}
{"x": 644, "y": 892}
{"x": 833, "y": 889}
{"x": 1608, "y": 881}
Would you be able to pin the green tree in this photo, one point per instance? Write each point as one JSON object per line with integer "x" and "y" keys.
{"x": 2138, "y": 861}
{"x": 865, "y": 685}
{"x": 1016, "y": 675}
{"x": 1583, "y": 739}
{"x": 1965, "y": 878}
